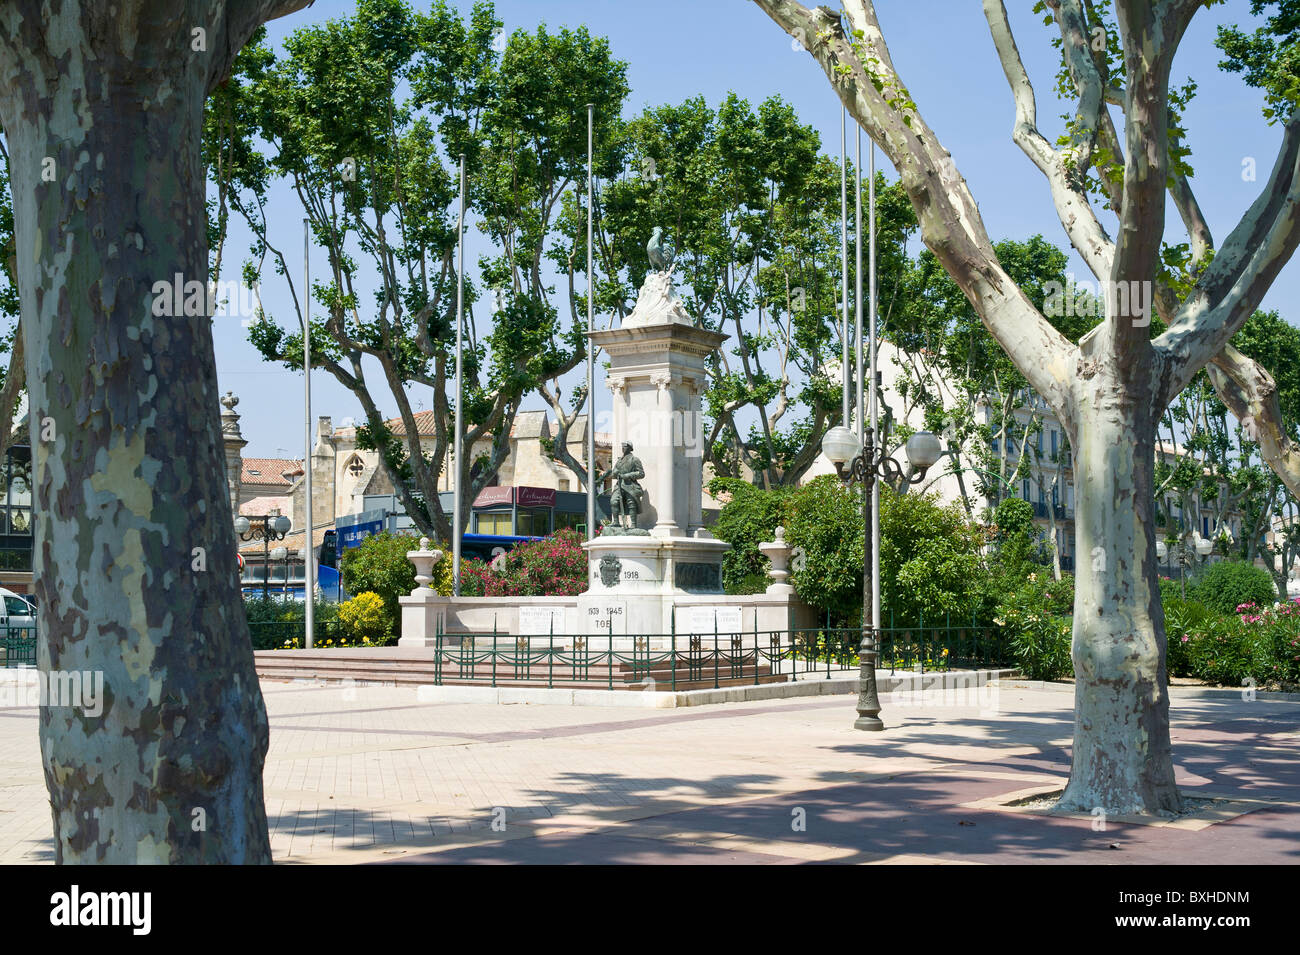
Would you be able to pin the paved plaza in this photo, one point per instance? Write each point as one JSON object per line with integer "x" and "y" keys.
{"x": 373, "y": 774}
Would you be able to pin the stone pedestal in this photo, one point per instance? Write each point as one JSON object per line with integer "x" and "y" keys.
{"x": 635, "y": 581}
{"x": 657, "y": 374}
{"x": 424, "y": 610}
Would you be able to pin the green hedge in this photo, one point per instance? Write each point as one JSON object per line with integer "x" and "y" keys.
{"x": 1229, "y": 584}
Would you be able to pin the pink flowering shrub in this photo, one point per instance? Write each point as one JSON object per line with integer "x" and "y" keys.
{"x": 552, "y": 566}
{"x": 1259, "y": 644}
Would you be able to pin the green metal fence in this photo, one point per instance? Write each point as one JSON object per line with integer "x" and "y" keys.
{"x": 674, "y": 659}
{"x": 18, "y": 646}
{"x": 288, "y": 634}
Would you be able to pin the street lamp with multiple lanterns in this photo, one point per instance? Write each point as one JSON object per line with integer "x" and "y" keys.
{"x": 864, "y": 463}
{"x": 1201, "y": 546}
{"x": 266, "y": 528}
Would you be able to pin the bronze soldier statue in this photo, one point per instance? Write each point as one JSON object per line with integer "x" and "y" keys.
{"x": 625, "y": 497}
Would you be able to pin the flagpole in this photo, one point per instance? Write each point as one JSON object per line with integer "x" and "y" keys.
{"x": 591, "y": 347}
{"x": 309, "y": 554}
{"x": 457, "y": 469}
{"x": 875, "y": 411}
{"x": 844, "y": 268}
{"x": 857, "y": 285}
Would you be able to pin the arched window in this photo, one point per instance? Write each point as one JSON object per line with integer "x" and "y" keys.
{"x": 356, "y": 467}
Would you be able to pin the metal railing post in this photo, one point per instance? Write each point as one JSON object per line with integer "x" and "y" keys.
{"x": 672, "y": 660}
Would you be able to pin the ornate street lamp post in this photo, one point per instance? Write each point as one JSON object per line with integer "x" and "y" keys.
{"x": 865, "y": 464}
{"x": 265, "y": 528}
{"x": 1187, "y": 554}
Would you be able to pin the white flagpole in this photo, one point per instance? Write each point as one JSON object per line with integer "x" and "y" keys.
{"x": 459, "y": 422}
{"x": 875, "y": 411}
{"x": 857, "y": 287}
{"x": 844, "y": 268}
{"x": 591, "y": 348}
{"x": 309, "y": 569}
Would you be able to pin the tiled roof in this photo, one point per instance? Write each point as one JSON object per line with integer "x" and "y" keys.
{"x": 269, "y": 470}
{"x": 261, "y": 506}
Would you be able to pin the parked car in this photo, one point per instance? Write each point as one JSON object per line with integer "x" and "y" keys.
{"x": 17, "y": 613}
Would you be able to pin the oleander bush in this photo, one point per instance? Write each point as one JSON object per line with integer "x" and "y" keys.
{"x": 1036, "y": 619}
{"x": 555, "y": 565}
{"x": 1226, "y": 585}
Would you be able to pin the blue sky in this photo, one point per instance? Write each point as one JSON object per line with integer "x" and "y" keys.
{"x": 677, "y": 49}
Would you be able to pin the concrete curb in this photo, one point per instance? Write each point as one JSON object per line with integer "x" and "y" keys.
{"x": 1177, "y": 692}
{"x": 661, "y": 699}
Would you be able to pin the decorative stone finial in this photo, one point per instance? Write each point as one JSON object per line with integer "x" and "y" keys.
{"x": 778, "y": 553}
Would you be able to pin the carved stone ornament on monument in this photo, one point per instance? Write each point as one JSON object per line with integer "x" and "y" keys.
{"x": 611, "y": 568}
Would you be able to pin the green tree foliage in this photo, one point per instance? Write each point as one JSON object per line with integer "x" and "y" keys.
{"x": 1016, "y": 553}
{"x": 930, "y": 562}
{"x": 380, "y": 565}
{"x": 1269, "y": 56}
{"x": 363, "y": 117}
{"x": 752, "y": 206}
{"x": 750, "y": 517}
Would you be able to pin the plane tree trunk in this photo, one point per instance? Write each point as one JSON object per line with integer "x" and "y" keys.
{"x": 1122, "y": 761}
{"x": 135, "y": 561}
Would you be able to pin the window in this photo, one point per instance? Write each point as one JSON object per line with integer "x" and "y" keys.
{"x": 535, "y": 523}
{"x": 1038, "y": 442}
{"x": 356, "y": 466}
{"x": 1025, "y": 489}
{"x": 995, "y": 445}
{"x": 577, "y": 522}
{"x": 1054, "y": 433}
{"x": 496, "y": 523}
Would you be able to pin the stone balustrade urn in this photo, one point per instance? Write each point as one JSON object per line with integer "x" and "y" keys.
{"x": 423, "y": 559}
{"x": 778, "y": 553}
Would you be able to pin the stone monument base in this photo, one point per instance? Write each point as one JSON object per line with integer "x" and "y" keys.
{"x": 634, "y": 580}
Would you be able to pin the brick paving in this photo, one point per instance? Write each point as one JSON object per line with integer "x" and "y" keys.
{"x": 371, "y": 774}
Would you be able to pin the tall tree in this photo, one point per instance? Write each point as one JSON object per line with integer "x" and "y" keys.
{"x": 365, "y": 117}
{"x": 752, "y": 205}
{"x": 102, "y": 106}
{"x": 1110, "y": 388}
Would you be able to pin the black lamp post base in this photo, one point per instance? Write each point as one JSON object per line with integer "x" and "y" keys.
{"x": 869, "y": 723}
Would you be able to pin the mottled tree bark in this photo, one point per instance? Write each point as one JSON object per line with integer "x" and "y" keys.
{"x": 1122, "y": 760}
{"x": 135, "y": 559}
